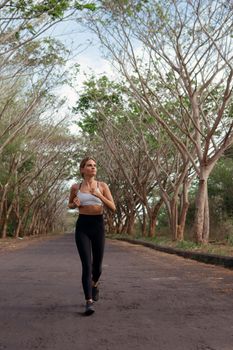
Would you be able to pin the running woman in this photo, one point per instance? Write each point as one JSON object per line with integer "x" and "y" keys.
{"x": 90, "y": 196}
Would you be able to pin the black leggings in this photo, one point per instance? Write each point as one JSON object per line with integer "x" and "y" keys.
{"x": 90, "y": 238}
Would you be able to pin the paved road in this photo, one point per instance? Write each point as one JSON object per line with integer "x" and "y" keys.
{"x": 150, "y": 300}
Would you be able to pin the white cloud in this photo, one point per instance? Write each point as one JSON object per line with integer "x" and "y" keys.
{"x": 86, "y": 52}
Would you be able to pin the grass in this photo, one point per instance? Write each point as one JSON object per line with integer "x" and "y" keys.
{"x": 218, "y": 248}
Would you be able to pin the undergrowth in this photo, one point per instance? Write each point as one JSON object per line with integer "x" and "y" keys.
{"x": 219, "y": 248}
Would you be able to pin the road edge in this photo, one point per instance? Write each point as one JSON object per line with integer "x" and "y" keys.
{"x": 207, "y": 258}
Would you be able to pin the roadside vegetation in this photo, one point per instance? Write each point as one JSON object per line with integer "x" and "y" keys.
{"x": 161, "y": 130}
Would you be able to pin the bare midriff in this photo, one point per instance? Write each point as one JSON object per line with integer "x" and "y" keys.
{"x": 91, "y": 210}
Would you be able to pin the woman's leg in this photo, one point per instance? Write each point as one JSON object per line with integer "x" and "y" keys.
{"x": 84, "y": 248}
{"x": 97, "y": 242}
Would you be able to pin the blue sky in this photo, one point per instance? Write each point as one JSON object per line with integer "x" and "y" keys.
{"x": 84, "y": 45}
{"x": 86, "y": 52}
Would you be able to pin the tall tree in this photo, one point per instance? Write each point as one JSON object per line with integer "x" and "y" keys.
{"x": 31, "y": 66}
{"x": 191, "y": 42}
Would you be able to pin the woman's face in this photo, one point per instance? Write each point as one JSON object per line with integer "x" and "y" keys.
{"x": 89, "y": 168}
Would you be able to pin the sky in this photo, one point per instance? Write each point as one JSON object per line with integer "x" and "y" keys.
{"x": 85, "y": 48}
{"x": 86, "y": 51}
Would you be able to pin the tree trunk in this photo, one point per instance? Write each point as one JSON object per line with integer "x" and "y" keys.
{"x": 206, "y": 225}
{"x": 130, "y": 224}
{"x": 2, "y": 202}
{"x": 152, "y": 226}
{"x": 184, "y": 205}
{"x": 110, "y": 223}
{"x": 182, "y": 221}
{"x": 174, "y": 218}
{"x": 153, "y": 214}
{"x": 18, "y": 228}
{"x": 143, "y": 222}
{"x": 31, "y": 230}
{"x": 21, "y": 219}
{"x": 201, "y": 222}
{"x": 8, "y": 212}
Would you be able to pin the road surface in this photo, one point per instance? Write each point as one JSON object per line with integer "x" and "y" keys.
{"x": 149, "y": 300}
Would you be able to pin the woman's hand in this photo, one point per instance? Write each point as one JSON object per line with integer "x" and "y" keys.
{"x": 96, "y": 192}
{"x": 106, "y": 196}
{"x": 76, "y": 201}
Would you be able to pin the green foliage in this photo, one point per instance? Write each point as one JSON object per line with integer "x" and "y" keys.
{"x": 79, "y": 6}
{"x": 55, "y": 9}
{"x": 163, "y": 221}
{"x": 100, "y": 98}
{"x": 220, "y": 188}
{"x": 46, "y": 10}
{"x": 44, "y": 52}
{"x": 187, "y": 245}
{"x": 127, "y": 6}
{"x": 230, "y": 238}
{"x": 28, "y": 165}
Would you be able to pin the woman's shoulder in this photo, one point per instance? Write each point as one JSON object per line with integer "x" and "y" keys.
{"x": 102, "y": 184}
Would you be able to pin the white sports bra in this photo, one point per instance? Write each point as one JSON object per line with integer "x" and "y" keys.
{"x": 88, "y": 198}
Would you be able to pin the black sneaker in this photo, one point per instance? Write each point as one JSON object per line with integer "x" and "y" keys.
{"x": 89, "y": 309}
{"x": 95, "y": 293}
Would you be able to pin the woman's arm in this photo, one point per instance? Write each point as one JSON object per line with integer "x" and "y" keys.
{"x": 73, "y": 200}
{"x": 106, "y": 196}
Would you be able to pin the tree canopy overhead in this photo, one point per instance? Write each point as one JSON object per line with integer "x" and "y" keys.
{"x": 36, "y": 147}
{"x": 176, "y": 57}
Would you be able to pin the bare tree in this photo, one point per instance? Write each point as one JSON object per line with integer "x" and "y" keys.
{"x": 179, "y": 52}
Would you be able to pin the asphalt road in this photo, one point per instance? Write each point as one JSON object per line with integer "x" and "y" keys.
{"x": 149, "y": 300}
